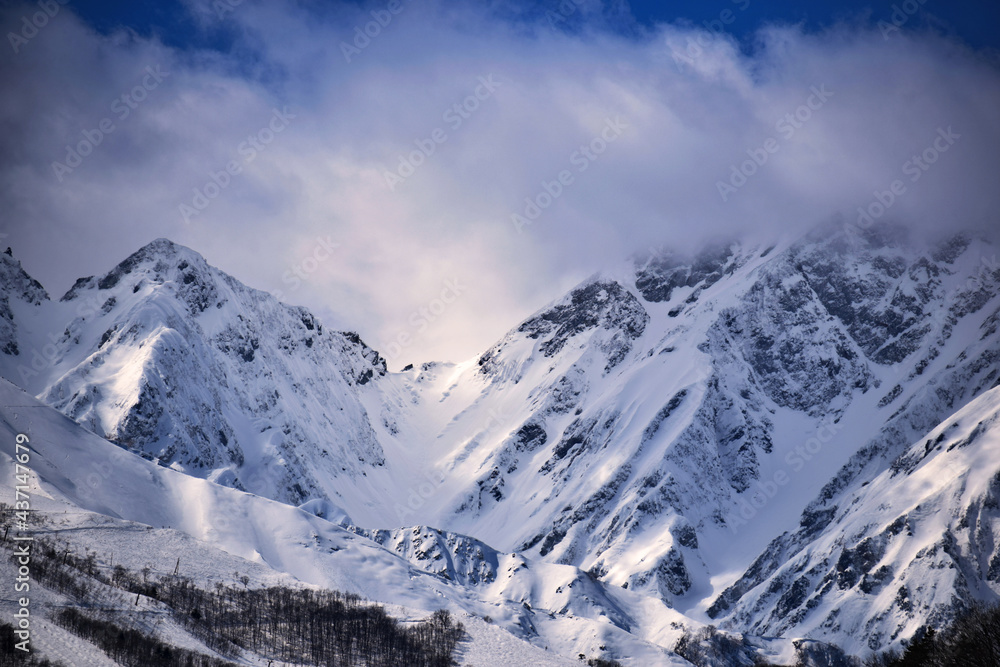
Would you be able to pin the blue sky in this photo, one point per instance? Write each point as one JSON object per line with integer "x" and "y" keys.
{"x": 270, "y": 135}
{"x": 977, "y": 23}
{"x": 974, "y": 22}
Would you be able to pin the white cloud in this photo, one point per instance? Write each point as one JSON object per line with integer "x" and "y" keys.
{"x": 689, "y": 120}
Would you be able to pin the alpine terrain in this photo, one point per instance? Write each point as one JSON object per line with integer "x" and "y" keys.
{"x": 790, "y": 449}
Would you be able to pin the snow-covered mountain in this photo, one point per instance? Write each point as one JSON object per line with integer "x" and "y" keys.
{"x": 538, "y": 604}
{"x": 896, "y": 553}
{"x": 632, "y": 429}
{"x": 178, "y": 361}
{"x": 742, "y": 436}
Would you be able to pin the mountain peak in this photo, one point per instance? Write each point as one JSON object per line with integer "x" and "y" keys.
{"x": 158, "y": 249}
{"x": 163, "y": 246}
{"x": 599, "y": 304}
{"x": 159, "y": 261}
{"x": 16, "y": 279}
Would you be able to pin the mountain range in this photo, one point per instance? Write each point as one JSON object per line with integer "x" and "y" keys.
{"x": 797, "y": 442}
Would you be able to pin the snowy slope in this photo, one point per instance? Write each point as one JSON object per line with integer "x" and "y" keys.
{"x": 633, "y": 427}
{"x": 652, "y": 443}
{"x": 907, "y": 549}
{"x": 555, "y": 607}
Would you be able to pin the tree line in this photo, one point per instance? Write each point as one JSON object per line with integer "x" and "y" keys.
{"x": 297, "y": 625}
{"x": 971, "y": 640}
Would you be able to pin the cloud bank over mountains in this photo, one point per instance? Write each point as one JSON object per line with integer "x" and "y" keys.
{"x": 365, "y": 160}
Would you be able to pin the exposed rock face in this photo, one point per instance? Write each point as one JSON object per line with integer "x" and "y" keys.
{"x": 603, "y": 309}
{"x": 19, "y": 291}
